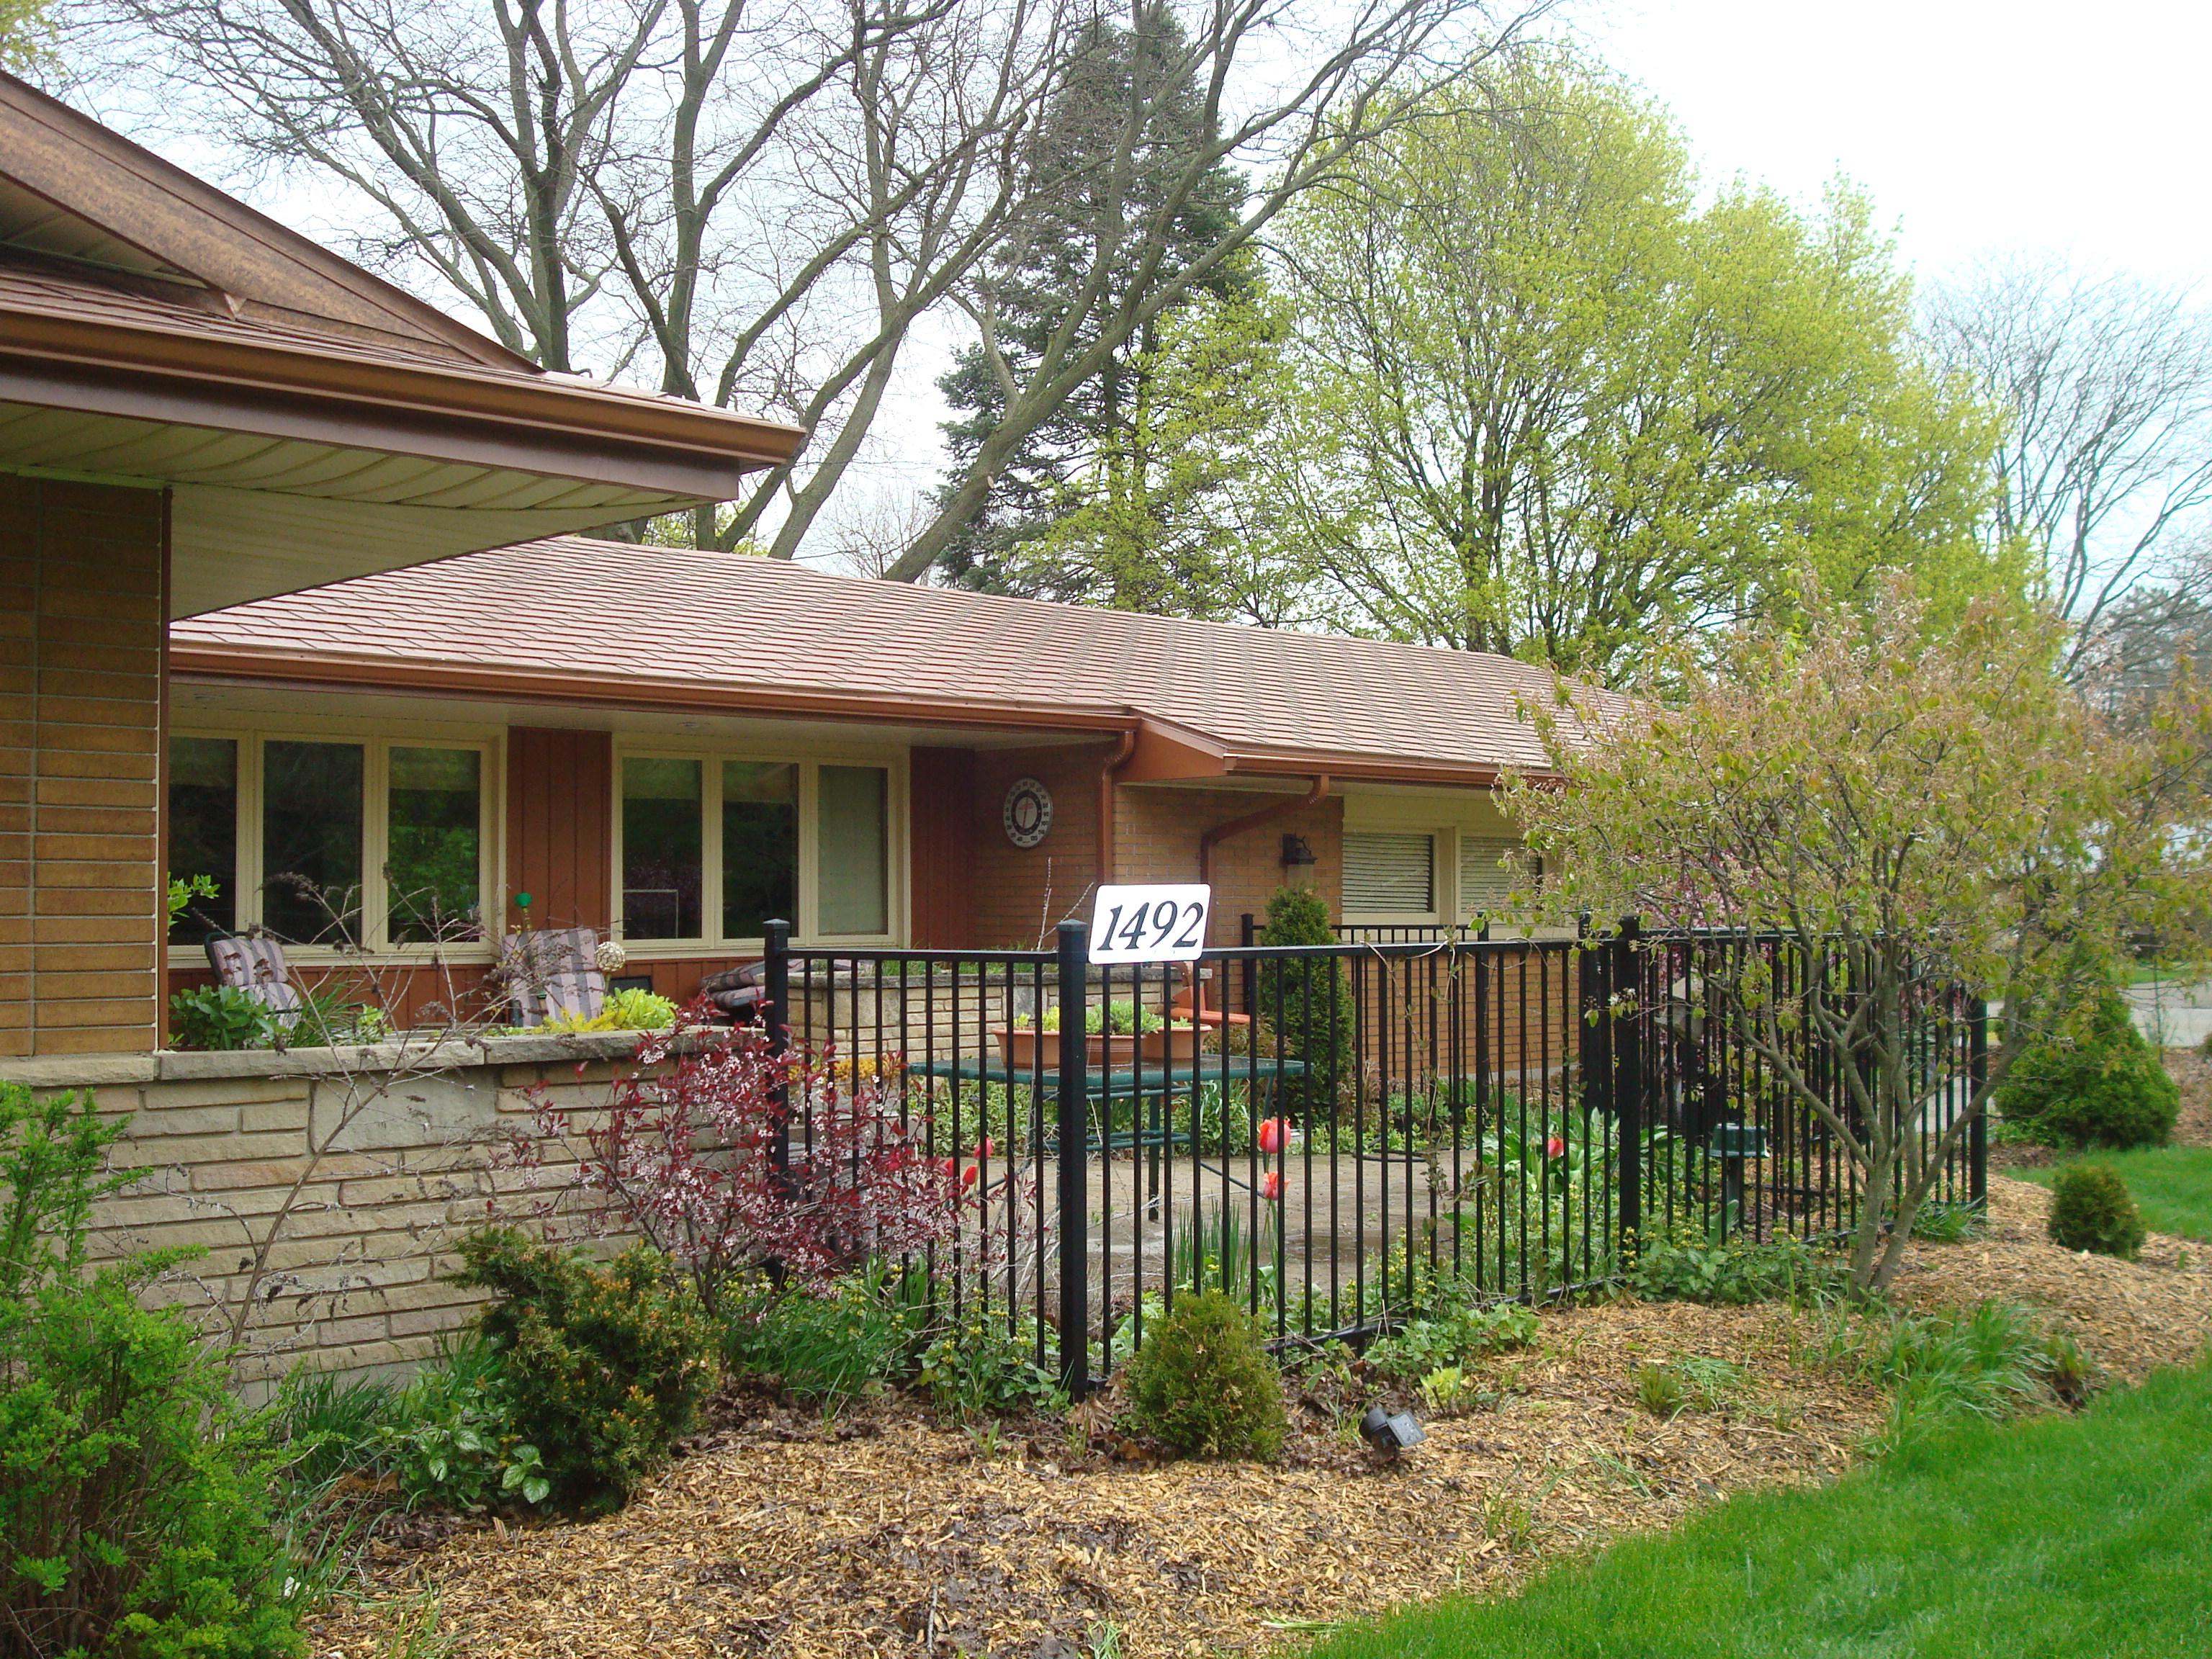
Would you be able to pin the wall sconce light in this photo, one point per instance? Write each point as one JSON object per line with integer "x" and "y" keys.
{"x": 1296, "y": 855}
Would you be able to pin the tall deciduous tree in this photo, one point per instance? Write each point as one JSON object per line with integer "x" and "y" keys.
{"x": 1908, "y": 809}
{"x": 2106, "y": 384}
{"x": 1548, "y": 404}
{"x": 745, "y": 202}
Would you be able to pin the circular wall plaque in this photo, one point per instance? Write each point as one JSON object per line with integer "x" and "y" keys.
{"x": 1029, "y": 812}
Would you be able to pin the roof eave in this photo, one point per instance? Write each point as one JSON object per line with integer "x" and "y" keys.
{"x": 441, "y": 412}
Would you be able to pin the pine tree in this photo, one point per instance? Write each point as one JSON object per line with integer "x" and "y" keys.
{"x": 1096, "y": 186}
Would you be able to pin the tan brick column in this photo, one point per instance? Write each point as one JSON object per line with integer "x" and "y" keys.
{"x": 83, "y": 616}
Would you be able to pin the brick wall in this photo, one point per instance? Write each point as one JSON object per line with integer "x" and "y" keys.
{"x": 1157, "y": 831}
{"x": 1016, "y": 889}
{"x": 82, "y": 611}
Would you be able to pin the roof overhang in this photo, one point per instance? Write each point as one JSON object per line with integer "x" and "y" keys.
{"x": 295, "y": 466}
{"x": 1164, "y": 752}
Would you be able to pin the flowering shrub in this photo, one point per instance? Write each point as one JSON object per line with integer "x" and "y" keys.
{"x": 728, "y": 1158}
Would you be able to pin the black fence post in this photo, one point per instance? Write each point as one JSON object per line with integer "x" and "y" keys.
{"x": 1592, "y": 1040}
{"x": 1073, "y": 1084}
{"x": 1624, "y": 984}
{"x": 776, "y": 1020}
{"x": 1977, "y": 1075}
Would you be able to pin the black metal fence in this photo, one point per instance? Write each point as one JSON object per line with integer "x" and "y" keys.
{"x": 1332, "y": 1133}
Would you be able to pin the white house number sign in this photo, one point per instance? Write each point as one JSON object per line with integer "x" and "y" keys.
{"x": 1161, "y": 921}
{"x": 1029, "y": 812}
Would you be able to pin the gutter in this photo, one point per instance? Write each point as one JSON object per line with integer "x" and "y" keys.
{"x": 1268, "y": 814}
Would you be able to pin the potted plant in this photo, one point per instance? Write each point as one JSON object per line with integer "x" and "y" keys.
{"x": 1115, "y": 1034}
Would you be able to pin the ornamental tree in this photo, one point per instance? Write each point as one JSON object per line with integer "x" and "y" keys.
{"x": 1912, "y": 813}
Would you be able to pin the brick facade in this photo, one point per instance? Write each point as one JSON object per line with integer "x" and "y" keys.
{"x": 1020, "y": 893}
{"x": 82, "y": 613}
{"x": 1156, "y": 830}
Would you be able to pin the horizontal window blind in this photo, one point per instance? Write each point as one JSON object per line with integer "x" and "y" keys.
{"x": 1486, "y": 878}
{"x": 1389, "y": 874}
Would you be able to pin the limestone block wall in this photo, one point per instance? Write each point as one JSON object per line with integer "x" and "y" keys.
{"x": 330, "y": 1186}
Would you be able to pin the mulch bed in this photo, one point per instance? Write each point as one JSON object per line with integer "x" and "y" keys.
{"x": 881, "y": 1534}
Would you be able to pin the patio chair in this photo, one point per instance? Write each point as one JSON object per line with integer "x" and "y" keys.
{"x": 552, "y": 974}
{"x": 736, "y": 993}
{"x": 254, "y": 963}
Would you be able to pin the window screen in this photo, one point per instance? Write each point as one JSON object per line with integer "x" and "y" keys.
{"x": 311, "y": 828}
{"x": 1486, "y": 880}
{"x": 855, "y": 808}
{"x": 1389, "y": 874}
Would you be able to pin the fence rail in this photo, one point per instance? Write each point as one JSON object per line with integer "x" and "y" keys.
{"x": 1328, "y": 1132}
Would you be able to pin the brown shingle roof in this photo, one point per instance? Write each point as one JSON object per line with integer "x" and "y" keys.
{"x": 581, "y": 621}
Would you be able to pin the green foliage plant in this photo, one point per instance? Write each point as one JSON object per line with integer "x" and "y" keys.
{"x": 826, "y": 1345}
{"x": 134, "y": 1513}
{"x": 1991, "y": 1361}
{"x": 450, "y": 1436}
{"x": 604, "y": 1368}
{"x": 1458, "y": 1337}
{"x": 2099, "y": 1084}
{"x": 1201, "y": 1384}
{"x": 981, "y": 1368}
{"x": 2091, "y": 1209}
{"x": 631, "y": 1010}
{"x": 1691, "y": 1383}
{"x": 1689, "y": 1267}
{"x": 217, "y": 1018}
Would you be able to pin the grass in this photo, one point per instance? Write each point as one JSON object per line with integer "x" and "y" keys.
{"x": 2173, "y": 1186}
{"x": 2052, "y": 1537}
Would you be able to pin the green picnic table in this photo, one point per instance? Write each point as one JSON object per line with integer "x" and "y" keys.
{"x": 1152, "y": 1082}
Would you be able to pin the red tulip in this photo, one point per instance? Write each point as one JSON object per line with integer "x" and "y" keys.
{"x": 1554, "y": 1147}
{"x": 1271, "y": 1187}
{"x": 967, "y": 1176}
{"x": 950, "y": 1165}
{"x": 1274, "y": 1134}
{"x": 984, "y": 1151}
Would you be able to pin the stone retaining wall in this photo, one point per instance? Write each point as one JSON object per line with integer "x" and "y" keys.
{"x": 349, "y": 1173}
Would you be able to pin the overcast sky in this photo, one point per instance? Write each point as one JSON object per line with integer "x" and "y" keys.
{"x": 2082, "y": 129}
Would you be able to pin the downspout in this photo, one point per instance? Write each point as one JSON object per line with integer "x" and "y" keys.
{"x": 1281, "y": 809}
{"x": 1115, "y": 762}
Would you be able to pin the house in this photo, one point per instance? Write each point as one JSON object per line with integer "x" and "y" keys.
{"x": 199, "y": 407}
{"x": 292, "y": 596}
{"x": 675, "y": 746}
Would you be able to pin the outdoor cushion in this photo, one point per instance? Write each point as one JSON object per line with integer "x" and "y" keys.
{"x": 553, "y": 975}
{"x": 255, "y": 964}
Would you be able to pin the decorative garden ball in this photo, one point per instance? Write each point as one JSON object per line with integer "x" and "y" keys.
{"x": 610, "y": 956}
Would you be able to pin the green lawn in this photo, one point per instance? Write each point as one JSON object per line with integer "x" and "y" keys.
{"x": 2084, "y": 1537}
{"x": 2173, "y": 1186}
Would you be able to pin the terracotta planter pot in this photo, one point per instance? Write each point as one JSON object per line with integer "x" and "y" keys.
{"x": 1018, "y": 1047}
{"x": 1176, "y": 1044}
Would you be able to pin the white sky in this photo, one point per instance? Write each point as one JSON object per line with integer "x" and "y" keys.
{"x": 1977, "y": 124}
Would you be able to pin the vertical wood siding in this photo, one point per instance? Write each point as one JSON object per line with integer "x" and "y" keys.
{"x": 560, "y": 826}
{"x": 943, "y": 838}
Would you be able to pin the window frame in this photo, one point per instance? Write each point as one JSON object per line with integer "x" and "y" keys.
{"x": 1444, "y": 876}
{"x": 377, "y": 740}
{"x": 712, "y": 942}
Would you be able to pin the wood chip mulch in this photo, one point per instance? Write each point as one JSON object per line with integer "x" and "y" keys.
{"x": 882, "y": 1533}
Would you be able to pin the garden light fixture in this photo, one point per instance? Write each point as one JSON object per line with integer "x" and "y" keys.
{"x": 1296, "y": 855}
{"x": 1390, "y": 1432}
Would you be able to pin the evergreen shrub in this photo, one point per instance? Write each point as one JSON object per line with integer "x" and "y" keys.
{"x": 605, "y": 1368}
{"x": 135, "y": 1517}
{"x": 1202, "y": 1384}
{"x": 2091, "y": 1209}
{"x": 1309, "y": 1002}
{"x": 2100, "y": 1084}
